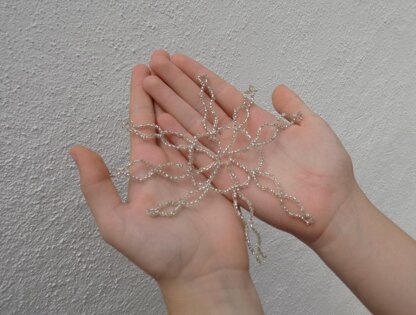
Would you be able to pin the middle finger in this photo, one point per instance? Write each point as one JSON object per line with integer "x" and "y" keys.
{"x": 179, "y": 82}
{"x": 171, "y": 103}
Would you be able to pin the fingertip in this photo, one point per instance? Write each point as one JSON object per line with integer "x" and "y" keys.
{"x": 282, "y": 93}
{"x": 159, "y": 61}
{"x": 78, "y": 150}
{"x": 91, "y": 165}
{"x": 160, "y": 53}
{"x": 286, "y": 100}
{"x": 150, "y": 82}
{"x": 140, "y": 70}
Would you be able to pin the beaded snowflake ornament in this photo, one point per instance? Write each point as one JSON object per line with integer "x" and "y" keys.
{"x": 222, "y": 157}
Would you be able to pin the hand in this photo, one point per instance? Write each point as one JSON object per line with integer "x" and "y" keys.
{"x": 198, "y": 252}
{"x": 308, "y": 159}
{"x": 313, "y": 166}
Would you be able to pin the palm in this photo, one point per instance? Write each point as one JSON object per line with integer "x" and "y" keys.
{"x": 308, "y": 160}
{"x": 197, "y": 241}
{"x": 313, "y": 166}
{"x": 205, "y": 238}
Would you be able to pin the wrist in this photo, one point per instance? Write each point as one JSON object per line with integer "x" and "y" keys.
{"x": 220, "y": 292}
{"x": 345, "y": 223}
{"x": 371, "y": 255}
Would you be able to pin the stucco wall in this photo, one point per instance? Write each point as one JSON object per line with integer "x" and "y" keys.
{"x": 65, "y": 72}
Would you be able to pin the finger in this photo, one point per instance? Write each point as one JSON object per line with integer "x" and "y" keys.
{"x": 286, "y": 101}
{"x": 170, "y": 102}
{"x": 99, "y": 191}
{"x": 141, "y": 110}
{"x": 179, "y": 82}
{"x": 161, "y": 52}
{"x": 226, "y": 95}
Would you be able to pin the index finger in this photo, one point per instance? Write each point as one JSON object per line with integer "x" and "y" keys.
{"x": 141, "y": 109}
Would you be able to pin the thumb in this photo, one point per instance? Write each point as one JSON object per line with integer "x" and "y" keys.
{"x": 286, "y": 101}
{"x": 98, "y": 189}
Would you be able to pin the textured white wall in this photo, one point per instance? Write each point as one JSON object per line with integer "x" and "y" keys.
{"x": 65, "y": 72}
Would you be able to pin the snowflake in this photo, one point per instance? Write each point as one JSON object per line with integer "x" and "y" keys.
{"x": 222, "y": 157}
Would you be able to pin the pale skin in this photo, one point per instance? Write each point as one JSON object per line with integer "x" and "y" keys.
{"x": 200, "y": 261}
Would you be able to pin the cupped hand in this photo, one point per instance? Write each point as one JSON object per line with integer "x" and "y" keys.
{"x": 307, "y": 158}
{"x": 198, "y": 241}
